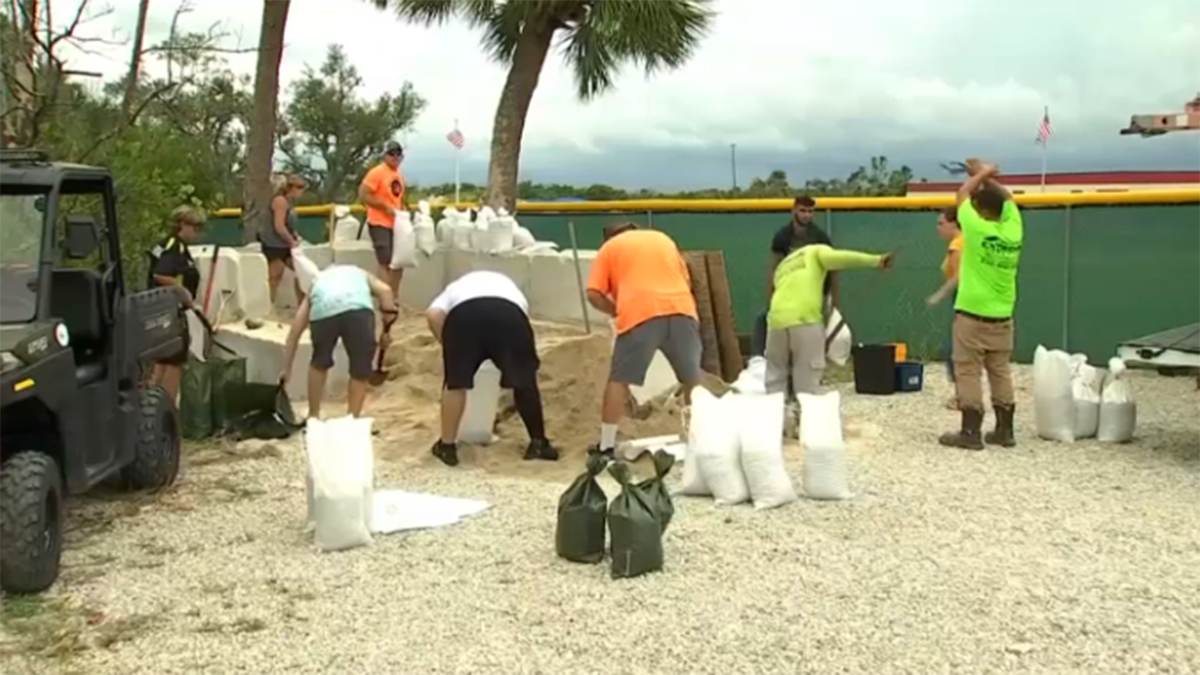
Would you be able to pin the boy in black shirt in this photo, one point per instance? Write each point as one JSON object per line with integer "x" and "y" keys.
{"x": 171, "y": 264}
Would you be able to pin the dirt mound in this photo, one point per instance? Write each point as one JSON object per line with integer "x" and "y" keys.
{"x": 572, "y": 376}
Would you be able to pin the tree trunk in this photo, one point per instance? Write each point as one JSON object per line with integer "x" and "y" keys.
{"x": 256, "y": 194}
{"x": 509, "y": 125}
{"x": 135, "y": 60}
{"x": 23, "y": 77}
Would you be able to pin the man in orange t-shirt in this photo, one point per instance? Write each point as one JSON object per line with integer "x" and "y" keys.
{"x": 640, "y": 278}
{"x": 382, "y": 192}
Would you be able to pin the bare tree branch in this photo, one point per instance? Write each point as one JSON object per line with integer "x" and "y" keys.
{"x": 133, "y": 116}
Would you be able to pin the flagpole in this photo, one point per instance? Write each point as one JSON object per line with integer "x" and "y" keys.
{"x": 1044, "y": 166}
{"x": 1045, "y": 144}
{"x": 457, "y": 175}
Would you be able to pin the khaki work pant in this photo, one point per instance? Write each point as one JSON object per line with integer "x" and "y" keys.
{"x": 978, "y": 346}
{"x": 798, "y": 351}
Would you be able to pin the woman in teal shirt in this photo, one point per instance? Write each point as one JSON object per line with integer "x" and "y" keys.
{"x": 340, "y": 307}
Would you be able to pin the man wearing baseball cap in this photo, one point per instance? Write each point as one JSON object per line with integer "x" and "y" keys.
{"x": 382, "y": 192}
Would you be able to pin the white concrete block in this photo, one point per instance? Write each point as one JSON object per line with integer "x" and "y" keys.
{"x": 357, "y": 253}
{"x": 423, "y": 283}
{"x": 516, "y": 268}
{"x": 263, "y": 348}
{"x": 554, "y": 289}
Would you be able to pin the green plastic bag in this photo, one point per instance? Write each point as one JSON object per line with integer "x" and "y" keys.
{"x": 579, "y": 535}
{"x": 228, "y": 388}
{"x": 636, "y": 534}
{"x": 195, "y": 400}
{"x": 656, "y": 488}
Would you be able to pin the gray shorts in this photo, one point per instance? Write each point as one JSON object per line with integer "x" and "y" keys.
{"x": 677, "y": 336}
{"x": 356, "y": 330}
{"x": 798, "y": 351}
{"x": 381, "y": 240}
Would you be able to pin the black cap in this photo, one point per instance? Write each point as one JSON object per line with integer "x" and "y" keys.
{"x": 393, "y": 147}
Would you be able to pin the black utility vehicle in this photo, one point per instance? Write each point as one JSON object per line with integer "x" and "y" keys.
{"x": 74, "y": 341}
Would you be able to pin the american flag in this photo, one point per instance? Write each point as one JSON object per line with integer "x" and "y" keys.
{"x": 456, "y": 139}
{"x": 1044, "y": 131}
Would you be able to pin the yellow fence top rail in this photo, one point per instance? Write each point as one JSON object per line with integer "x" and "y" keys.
{"x": 834, "y": 203}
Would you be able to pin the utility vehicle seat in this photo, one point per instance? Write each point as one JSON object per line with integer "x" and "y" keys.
{"x": 76, "y": 297}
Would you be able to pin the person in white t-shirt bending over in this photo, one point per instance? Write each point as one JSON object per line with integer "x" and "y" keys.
{"x": 484, "y": 316}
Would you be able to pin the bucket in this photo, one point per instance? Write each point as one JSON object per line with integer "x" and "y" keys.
{"x": 483, "y": 402}
{"x": 875, "y": 369}
{"x": 910, "y": 376}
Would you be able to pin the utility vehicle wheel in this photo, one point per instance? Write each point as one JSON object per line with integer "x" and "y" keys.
{"x": 156, "y": 458}
{"x": 31, "y": 514}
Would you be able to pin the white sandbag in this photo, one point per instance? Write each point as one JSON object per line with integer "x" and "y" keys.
{"x": 341, "y": 467}
{"x": 424, "y": 229}
{"x": 824, "y": 467}
{"x": 445, "y": 226}
{"x": 460, "y": 232}
{"x": 838, "y": 339}
{"x": 752, "y": 380}
{"x": 717, "y": 453}
{"x": 1053, "y": 403}
{"x": 477, "y": 237}
{"x": 522, "y": 238}
{"x": 703, "y": 405}
{"x": 345, "y": 226}
{"x": 760, "y": 432}
{"x": 306, "y": 269}
{"x": 404, "y": 242}
{"x": 1085, "y": 393}
{"x": 1118, "y": 410}
{"x": 501, "y": 231}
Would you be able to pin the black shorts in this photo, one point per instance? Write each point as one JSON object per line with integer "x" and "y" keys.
{"x": 272, "y": 253}
{"x": 489, "y": 329}
{"x": 381, "y": 239}
{"x": 356, "y": 330}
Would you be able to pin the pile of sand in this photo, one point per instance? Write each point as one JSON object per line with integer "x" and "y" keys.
{"x": 574, "y": 370}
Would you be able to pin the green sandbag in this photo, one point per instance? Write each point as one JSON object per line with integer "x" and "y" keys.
{"x": 266, "y": 413}
{"x": 195, "y": 400}
{"x": 635, "y": 529}
{"x": 579, "y": 536}
{"x": 656, "y": 488}
{"x": 228, "y": 388}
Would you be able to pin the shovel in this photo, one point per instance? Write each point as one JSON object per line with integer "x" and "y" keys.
{"x": 380, "y": 375}
{"x": 211, "y": 341}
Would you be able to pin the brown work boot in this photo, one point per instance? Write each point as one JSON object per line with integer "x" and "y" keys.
{"x": 968, "y": 437}
{"x": 1003, "y": 435}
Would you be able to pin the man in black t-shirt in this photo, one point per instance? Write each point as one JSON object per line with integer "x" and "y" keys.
{"x": 801, "y": 232}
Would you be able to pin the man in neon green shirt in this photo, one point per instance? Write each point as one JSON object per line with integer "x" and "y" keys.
{"x": 796, "y": 319}
{"x": 983, "y": 310}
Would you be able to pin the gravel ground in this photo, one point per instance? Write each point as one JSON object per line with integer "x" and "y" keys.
{"x": 1045, "y": 558}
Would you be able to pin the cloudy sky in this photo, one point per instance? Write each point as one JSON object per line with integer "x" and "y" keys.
{"x": 813, "y": 88}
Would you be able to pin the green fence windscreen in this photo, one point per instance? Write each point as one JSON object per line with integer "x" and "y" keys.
{"x": 1090, "y": 276}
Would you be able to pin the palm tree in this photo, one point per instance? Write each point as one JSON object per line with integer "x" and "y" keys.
{"x": 595, "y": 37}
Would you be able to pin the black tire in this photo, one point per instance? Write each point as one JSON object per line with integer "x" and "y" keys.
{"x": 156, "y": 457}
{"x": 31, "y": 517}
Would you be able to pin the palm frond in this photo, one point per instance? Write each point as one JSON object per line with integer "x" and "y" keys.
{"x": 422, "y": 12}
{"x": 501, "y": 28}
{"x": 588, "y": 48}
{"x": 657, "y": 34}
